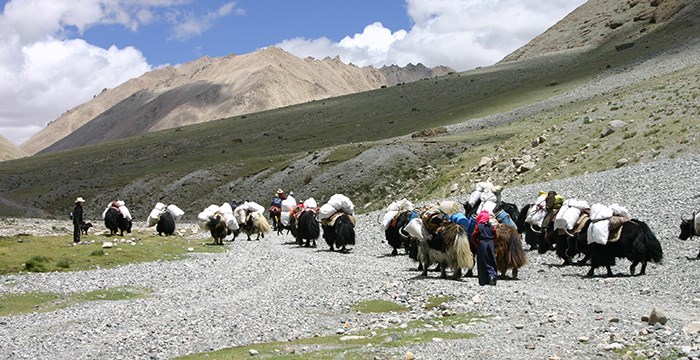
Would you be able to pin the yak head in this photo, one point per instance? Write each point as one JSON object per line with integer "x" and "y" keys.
{"x": 687, "y": 228}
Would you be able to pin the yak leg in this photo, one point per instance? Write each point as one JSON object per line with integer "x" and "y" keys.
{"x": 308, "y": 243}
{"x": 515, "y": 273}
{"x": 698, "y": 257}
{"x": 610, "y": 273}
{"x": 584, "y": 260}
{"x": 644, "y": 268}
{"x": 591, "y": 272}
{"x": 420, "y": 266}
{"x": 443, "y": 271}
{"x": 395, "y": 252}
{"x": 634, "y": 265}
{"x": 457, "y": 274}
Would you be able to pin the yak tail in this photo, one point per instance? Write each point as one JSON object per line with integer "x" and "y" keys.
{"x": 261, "y": 223}
{"x": 516, "y": 254}
{"x": 461, "y": 252}
{"x": 651, "y": 243}
{"x": 345, "y": 231}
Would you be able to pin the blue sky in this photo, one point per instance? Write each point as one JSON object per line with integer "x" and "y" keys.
{"x": 57, "y": 54}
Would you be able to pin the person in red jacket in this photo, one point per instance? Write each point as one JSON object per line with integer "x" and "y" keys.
{"x": 484, "y": 235}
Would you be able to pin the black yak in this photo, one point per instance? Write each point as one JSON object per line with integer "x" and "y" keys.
{"x": 394, "y": 236}
{"x": 689, "y": 229}
{"x": 166, "y": 224}
{"x": 637, "y": 243}
{"x": 306, "y": 227}
{"x": 275, "y": 214}
{"x": 116, "y": 222}
{"x": 339, "y": 231}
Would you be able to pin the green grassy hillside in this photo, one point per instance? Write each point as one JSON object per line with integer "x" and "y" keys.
{"x": 305, "y": 147}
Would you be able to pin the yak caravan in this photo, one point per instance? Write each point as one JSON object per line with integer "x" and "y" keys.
{"x": 441, "y": 232}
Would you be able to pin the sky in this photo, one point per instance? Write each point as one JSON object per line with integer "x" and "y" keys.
{"x": 58, "y": 54}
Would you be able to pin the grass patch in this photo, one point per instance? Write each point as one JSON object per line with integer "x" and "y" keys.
{"x": 52, "y": 253}
{"x": 334, "y": 346}
{"x": 435, "y": 301}
{"x": 378, "y": 306}
{"x": 16, "y": 304}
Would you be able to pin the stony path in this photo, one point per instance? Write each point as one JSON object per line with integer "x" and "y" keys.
{"x": 271, "y": 290}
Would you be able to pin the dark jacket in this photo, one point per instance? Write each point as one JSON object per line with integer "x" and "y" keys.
{"x": 77, "y": 214}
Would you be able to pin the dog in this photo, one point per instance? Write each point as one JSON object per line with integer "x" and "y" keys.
{"x": 84, "y": 227}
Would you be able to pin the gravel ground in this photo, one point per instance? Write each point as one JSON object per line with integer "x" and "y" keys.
{"x": 271, "y": 290}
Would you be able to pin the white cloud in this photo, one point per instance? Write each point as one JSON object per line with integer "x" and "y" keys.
{"x": 462, "y": 34}
{"x": 189, "y": 25}
{"x": 44, "y": 72}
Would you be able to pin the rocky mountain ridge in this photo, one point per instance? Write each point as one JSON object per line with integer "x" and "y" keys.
{"x": 212, "y": 88}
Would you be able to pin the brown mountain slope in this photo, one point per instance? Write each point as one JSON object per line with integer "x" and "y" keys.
{"x": 213, "y": 88}
{"x": 599, "y": 21}
{"x": 9, "y": 151}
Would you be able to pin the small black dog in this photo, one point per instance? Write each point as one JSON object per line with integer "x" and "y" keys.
{"x": 85, "y": 226}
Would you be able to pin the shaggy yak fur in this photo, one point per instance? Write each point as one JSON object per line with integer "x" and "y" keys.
{"x": 341, "y": 234}
{"x": 217, "y": 227}
{"x": 256, "y": 224}
{"x": 509, "y": 250}
{"x": 166, "y": 224}
{"x": 688, "y": 230}
{"x": 534, "y": 235}
{"x": 307, "y": 228}
{"x": 637, "y": 243}
{"x": 84, "y": 227}
{"x": 275, "y": 214}
{"x": 393, "y": 233}
{"x": 449, "y": 247}
{"x": 115, "y": 221}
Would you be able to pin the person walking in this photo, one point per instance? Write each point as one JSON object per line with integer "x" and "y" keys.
{"x": 77, "y": 219}
{"x": 484, "y": 235}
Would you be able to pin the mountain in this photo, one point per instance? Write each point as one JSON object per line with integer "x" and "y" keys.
{"x": 9, "y": 151}
{"x": 526, "y": 121}
{"x": 599, "y": 21}
{"x": 214, "y": 88}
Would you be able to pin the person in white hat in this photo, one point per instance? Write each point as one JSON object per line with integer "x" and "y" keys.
{"x": 77, "y": 219}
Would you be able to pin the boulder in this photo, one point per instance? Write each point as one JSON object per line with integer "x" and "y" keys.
{"x": 657, "y": 316}
{"x": 612, "y": 127}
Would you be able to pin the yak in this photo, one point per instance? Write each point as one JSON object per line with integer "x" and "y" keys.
{"x": 509, "y": 250}
{"x": 339, "y": 231}
{"x": 255, "y": 224}
{"x": 165, "y": 224}
{"x": 116, "y": 222}
{"x": 449, "y": 247}
{"x": 218, "y": 229}
{"x": 637, "y": 243}
{"x": 689, "y": 228}
{"x": 393, "y": 234}
{"x": 307, "y": 228}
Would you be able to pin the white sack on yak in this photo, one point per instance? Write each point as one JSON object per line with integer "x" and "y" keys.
{"x": 619, "y": 210}
{"x": 598, "y": 231}
{"x": 153, "y": 217}
{"x": 285, "y": 217}
{"x": 175, "y": 211}
{"x": 160, "y": 206}
{"x": 697, "y": 223}
{"x": 287, "y": 205}
{"x": 538, "y": 210}
{"x": 292, "y": 200}
{"x": 401, "y": 205}
{"x": 337, "y": 202}
{"x": 569, "y": 213}
{"x": 227, "y": 212}
{"x": 449, "y": 207}
{"x": 310, "y": 203}
{"x": 208, "y": 212}
{"x": 242, "y": 211}
{"x": 390, "y": 215}
{"x": 415, "y": 229}
{"x": 488, "y": 202}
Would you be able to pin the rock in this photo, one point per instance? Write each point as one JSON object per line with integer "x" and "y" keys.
{"x": 613, "y": 346}
{"x": 190, "y": 249}
{"x": 352, "y": 337}
{"x": 519, "y": 326}
{"x": 485, "y": 161}
{"x": 409, "y": 356}
{"x": 253, "y": 352}
{"x": 614, "y": 320}
{"x": 621, "y": 162}
{"x": 554, "y": 357}
{"x": 454, "y": 187}
{"x": 692, "y": 328}
{"x": 107, "y": 245}
{"x": 612, "y": 127}
{"x": 583, "y": 339}
{"x": 657, "y": 316}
